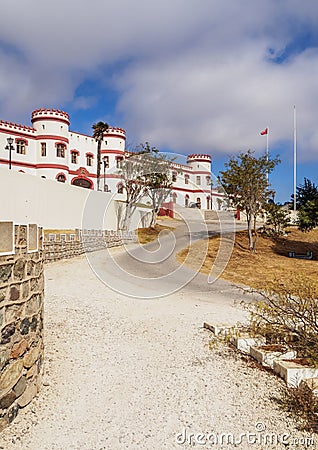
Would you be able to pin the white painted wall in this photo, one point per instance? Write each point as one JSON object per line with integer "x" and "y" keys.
{"x": 28, "y": 199}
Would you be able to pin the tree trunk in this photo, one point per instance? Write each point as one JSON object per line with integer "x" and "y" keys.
{"x": 99, "y": 144}
{"x": 153, "y": 218}
{"x": 250, "y": 232}
{"x": 255, "y": 235}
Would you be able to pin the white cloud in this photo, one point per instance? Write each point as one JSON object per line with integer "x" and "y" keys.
{"x": 199, "y": 76}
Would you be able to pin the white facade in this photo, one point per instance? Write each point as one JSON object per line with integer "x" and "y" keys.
{"x": 49, "y": 149}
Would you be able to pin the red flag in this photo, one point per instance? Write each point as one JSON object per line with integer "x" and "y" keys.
{"x": 264, "y": 131}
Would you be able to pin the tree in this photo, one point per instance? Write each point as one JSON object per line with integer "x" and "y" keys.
{"x": 158, "y": 182}
{"x": 246, "y": 183}
{"x": 145, "y": 173}
{"x": 99, "y": 129}
{"x": 132, "y": 173}
{"x": 308, "y": 215}
{"x": 277, "y": 218}
{"x": 305, "y": 192}
{"x": 307, "y": 205}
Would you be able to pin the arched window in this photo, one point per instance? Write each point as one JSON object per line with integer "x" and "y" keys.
{"x": 186, "y": 179}
{"x": 61, "y": 178}
{"x": 120, "y": 189}
{"x": 198, "y": 202}
{"x": 186, "y": 200}
{"x": 174, "y": 197}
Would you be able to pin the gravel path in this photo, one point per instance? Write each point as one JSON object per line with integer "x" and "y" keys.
{"x": 124, "y": 373}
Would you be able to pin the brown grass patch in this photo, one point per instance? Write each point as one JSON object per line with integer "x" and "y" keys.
{"x": 270, "y": 262}
{"x": 146, "y": 235}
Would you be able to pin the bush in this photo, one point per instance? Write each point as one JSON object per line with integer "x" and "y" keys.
{"x": 288, "y": 314}
{"x": 302, "y": 404}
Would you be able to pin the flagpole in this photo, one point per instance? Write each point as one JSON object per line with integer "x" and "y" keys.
{"x": 295, "y": 160}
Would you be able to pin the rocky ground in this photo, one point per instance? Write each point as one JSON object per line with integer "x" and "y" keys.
{"x": 123, "y": 373}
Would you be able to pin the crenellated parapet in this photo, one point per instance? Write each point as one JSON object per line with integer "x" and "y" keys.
{"x": 201, "y": 157}
{"x": 15, "y": 127}
{"x": 115, "y": 132}
{"x": 50, "y": 114}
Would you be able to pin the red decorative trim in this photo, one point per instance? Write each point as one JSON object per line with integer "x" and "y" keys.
{"x": 108, "y": 135}
{"x": 15, "y": 133}
{"x": 90, "y": 154}
{"x": 52, "y": 166}
{"x": 55, "y": 119}
{"x": 115, "y": 152}
{"x": 21, "y": 140}
{"x": 52, "y": 136}
{"x": 193, "y": 191}
{"x": 82, "y": 171}
{"x": 76, "y": 152}
{"x": 35, "y": 166}
{"x": 60, "y": 143}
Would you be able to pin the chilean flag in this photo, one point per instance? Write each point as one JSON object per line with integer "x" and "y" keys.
{"x": 264, "y": 132}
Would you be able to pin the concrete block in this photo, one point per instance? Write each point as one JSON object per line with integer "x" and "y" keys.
{"x": 244, "y": 342}
{"x": 294, "y": 372}
{"x": 266, "y": 355}
{"x": 219, "y": 329}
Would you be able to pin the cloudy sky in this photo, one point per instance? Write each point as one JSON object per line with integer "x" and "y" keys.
{"x": 186, "y": 75}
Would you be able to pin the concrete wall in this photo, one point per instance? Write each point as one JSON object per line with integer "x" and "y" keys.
{"x": 52, "y": 205}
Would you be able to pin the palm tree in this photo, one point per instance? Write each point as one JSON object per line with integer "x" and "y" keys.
{"x": 99, "y": 129}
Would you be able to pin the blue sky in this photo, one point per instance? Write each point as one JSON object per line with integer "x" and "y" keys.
{"x": 203, "y": 76}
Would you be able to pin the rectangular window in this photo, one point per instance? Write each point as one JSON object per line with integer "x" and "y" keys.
{"x": 21, "y": 147}
{"x": 89, "y": 160}
{"x": 198, "y": 180}
{"x": 174, "y": 177}
{"x": 43, "y": 148}
{"x": 208, "y": 181}
{"x": 60, "y": 150}
{"x": 74, "y": 158}
{"x": 186, "y": 180}
{"x": 106, "y": 161}
{"x": 119, "y": 161}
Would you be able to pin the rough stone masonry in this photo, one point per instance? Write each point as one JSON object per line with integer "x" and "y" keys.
{"x": 21, "y": 317}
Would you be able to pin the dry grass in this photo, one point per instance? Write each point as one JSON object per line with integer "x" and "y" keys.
{"x": 146, "y": 235}
{"x": 270, "y": 262}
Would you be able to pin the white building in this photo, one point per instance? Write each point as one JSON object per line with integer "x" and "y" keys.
{"x": 49, "y": 149}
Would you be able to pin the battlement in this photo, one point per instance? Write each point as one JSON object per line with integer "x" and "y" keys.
{"x": 10, "y": 126}
{"x": 199, "y": 157}
{"x": 50, "y": 114}
{"x": 115, "y": 130}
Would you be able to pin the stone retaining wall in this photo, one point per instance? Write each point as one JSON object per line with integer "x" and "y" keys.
{"x": 59, "y": 245}
{"x": 21, "y": 317}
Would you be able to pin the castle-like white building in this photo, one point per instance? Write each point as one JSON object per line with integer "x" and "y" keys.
{"x": 49, "y": 149}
